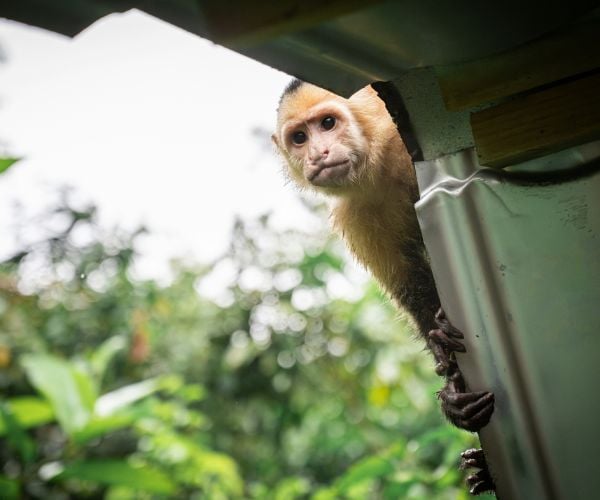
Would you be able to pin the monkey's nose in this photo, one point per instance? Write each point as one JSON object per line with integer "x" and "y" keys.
{"x": 317, "y": 155}
{"x": 320, "y": 155}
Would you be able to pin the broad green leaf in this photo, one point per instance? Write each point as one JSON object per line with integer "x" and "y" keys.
{"x": 9, "y": 489}
{"x": 102, "y": 356}
{"x": 29, "y": 411}
{"x": 101, "y": 425}
{"x": 109, "y": 403}
{"x": 119, "y": 472}
{"x": 87, "y": 387}
{"x": 16, "y": 436}
{"x": 6, "y": 163}
{"x": 69, "y": 390}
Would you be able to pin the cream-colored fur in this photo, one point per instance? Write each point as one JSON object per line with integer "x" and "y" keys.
{"x": 373, "y": 209}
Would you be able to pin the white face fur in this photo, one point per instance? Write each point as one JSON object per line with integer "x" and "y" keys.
{"x": 324, "y": 146}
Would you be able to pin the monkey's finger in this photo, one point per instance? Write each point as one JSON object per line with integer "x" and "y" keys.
{"x": 463, "y": 399}
{"x": 466, "y": 408}
{"x": 439, "y": 337}
{"x": 473, "y": 457}
{"x": 441, "y": 368}
{"x": 465, "y": 413}
{"x": 442, "y": 359}
{"x": 477, "y": 421}
{"x": 444, "y": 324}
{"x": 472, "y": 453}
{"x": 479, "y": 483}
{"x": 468, "y": 464}
{"x": 481, "y": 480}
{"x": 451, "y": 331}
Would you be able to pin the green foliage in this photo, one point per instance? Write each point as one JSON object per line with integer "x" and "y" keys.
{"x": 28, "y": 411}
{"x": 9, "y": 488}
{"x": 119, "y": 472}
{"x": 280, "y": 380}
{"x": 16, "y": 437}
{"x": 68, "y": 389}
{"x": 6, "y": 163}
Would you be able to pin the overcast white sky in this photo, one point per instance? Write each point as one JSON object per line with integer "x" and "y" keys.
{"x": 151, "y": 123}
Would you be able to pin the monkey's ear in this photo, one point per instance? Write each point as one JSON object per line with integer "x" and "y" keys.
{"x": 276, "y": 142}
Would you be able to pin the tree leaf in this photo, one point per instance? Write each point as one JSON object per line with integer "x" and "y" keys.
{"x": 119, "y": 472}
{"x": 6, "y": 163}
{"x": 109, "y": 403}
{"x": 69, "y": 390}
{"x": 101, "y": 425}
{"x": 9, "y": 488}
{"x": 16, "y": 436}
{"x": 103, "y": 355}
{"x": 29, "y": 411}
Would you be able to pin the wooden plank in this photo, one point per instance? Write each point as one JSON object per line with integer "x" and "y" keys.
{"x": 539, "y": 123}
{"x": 240, "y": 23}
{"x": 563, "y": 54}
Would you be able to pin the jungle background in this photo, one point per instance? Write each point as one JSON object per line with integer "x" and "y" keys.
{"x": 277, "y": 387}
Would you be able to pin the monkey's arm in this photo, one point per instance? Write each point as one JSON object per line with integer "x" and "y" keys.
{"x": 467, "y": 410}
{"x": 418, "y": 295}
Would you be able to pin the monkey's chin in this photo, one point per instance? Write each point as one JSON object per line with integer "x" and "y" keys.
{"x": 332, "y": 175}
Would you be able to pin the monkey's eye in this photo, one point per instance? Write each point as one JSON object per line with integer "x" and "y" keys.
{"x": 328, "y": 122}
{"x": 298, "y": 138}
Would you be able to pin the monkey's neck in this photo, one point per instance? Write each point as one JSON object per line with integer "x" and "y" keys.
{"x": 378, "y": 226}
{"x": 383, "y": 233}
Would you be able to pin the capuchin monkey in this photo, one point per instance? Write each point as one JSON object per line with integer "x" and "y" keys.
{"x": 350, "y": 150}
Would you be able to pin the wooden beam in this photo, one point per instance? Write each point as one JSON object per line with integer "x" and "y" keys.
{"x": 240, "y": 23}
{"x": 539, "y": 123}
{"x": 557, "y": 56}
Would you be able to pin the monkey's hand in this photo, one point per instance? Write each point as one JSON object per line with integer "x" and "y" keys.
{"x": 480, "y": 481}
{"x": 467, "y": 410}
{"x": 444, "y": 341}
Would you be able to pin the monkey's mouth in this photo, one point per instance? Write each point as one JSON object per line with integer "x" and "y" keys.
{"x": 330, "y": 175}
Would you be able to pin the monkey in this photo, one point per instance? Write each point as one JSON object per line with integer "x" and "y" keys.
{"x": 350, "y": 150}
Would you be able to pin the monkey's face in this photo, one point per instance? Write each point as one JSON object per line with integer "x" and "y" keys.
{"x": 321, "y": 141}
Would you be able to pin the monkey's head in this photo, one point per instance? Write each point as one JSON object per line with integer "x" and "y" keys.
{"x": 323, "y": 139}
